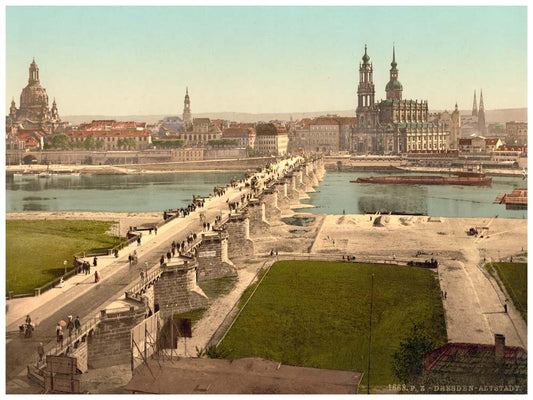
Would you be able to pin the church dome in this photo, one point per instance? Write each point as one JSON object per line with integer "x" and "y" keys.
{"x": 33, "y": 95}
{"x": 394, "y": 85}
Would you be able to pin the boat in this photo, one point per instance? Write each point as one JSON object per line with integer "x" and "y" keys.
{"x": 464, "y": 179}
{"x": 44, "y": 174}
{"x": 65, "y": 172}
{"x": 393, "y": 213}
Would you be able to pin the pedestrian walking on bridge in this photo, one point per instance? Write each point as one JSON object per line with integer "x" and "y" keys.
{"x": 40, "y": 352}
{"x": 77, "y": 325}
{"x": 70, "y": 327}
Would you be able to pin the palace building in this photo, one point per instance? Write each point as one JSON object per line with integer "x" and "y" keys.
{"x": 34, "y": 112}
{"x": 394, "y": 125}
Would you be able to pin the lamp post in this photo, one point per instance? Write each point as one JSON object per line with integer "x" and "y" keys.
{"x": 65, "y": 264}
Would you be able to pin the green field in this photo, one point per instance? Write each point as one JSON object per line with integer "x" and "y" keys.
{"x": 316, "y": 314}
{"x": 514, "y": 277}
{"x": 36, "y": 249}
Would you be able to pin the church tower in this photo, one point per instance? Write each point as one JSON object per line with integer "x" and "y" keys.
{"x": 394, "y": 87}
{"x": 366, "y": 112}
{"x": 481, "y": 116}
{"x": 13, "y": 110}
{"x": 187, "y": 108}
{"x": 474, "y": 106}
{"x": 54, "y": 111}
{"x": 455, "y": 128}
{"x": 34, "y": 73}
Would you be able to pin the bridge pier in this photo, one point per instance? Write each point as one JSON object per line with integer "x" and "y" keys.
{"x": 239, "y": 242}
{"x": 111, "y": 342}
{"x": 270, "y": 199}
{"x": 176, "y": 290}
{"x": 213, "y": 261}
{"x": 292, "y": 191}
{"x": 259, "y": 226}
{"x": 284, "y": 203}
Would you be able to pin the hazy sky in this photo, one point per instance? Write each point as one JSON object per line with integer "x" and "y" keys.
{"x": 138, "y": 60}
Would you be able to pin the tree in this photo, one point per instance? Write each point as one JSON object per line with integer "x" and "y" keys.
{"x": 100, "y": 144}
{"x": 408, "y": 359}
{"x": 89, "y": 143}
{"x": 61, "y": 142}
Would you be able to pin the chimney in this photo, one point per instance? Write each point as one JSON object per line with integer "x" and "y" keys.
{"x": 499, "y": 346}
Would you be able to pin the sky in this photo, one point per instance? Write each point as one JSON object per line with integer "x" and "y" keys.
{"x": 138, "y": 60}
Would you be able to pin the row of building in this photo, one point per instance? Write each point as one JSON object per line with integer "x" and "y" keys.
{"x": 391, "y": 126}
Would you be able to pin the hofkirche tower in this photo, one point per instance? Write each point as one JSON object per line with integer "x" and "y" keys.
{"x": 393, "y": 125}
{"x": 33, "y": 112}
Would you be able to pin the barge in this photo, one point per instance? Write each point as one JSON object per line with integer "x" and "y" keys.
{"x": 464, "y": 179}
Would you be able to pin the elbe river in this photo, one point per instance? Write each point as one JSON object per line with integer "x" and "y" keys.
{"x": 335, "y": 195}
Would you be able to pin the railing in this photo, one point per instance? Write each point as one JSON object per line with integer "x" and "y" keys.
{"x": 135, "y": 290}
{"x": 79, "y": 335}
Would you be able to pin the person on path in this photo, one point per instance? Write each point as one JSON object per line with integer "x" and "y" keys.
{"x": 162, "y": 260}
{"x": 70, "y": 327}
{"x": 139, "y": 241}
{"x": 505, "y": 308}
{"x": 95, "y": 261}
{"x": 77, "y": 325}
{"x": 88, "y": 266}
{"x": 155, "y": 229}
{"x": 59, "y": 334}
{"x": 169, "y": 255}
{"x": 142, "y": 275}
{"x": 96, "y": 277}
{"x": 40, "y": 352}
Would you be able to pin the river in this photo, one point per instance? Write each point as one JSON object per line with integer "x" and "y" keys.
{"x": 335, "y": 195}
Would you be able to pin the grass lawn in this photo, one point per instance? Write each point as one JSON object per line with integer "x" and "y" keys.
{"x": 514, "y": 277}
{"x": 36, "y": 249}
{"x": 316, "y": 314}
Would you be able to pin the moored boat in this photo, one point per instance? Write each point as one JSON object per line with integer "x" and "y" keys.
{"x": 463, "y": 179}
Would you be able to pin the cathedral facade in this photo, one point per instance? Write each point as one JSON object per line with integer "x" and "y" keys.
{"x": 394, "y": 125}
{"x": 34, "y": 111}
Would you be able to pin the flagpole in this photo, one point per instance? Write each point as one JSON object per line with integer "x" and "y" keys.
{"x": 370, "y": 335}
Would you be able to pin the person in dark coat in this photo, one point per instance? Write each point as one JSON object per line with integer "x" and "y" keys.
{"x": 95, "y": 261}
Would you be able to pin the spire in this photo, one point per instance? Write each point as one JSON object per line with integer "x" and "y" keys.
{"x": 481, "y": 105}
{"x": 366, "y": 58}
{"x": 474, "y": 106}
{"x": 393, "y": 63}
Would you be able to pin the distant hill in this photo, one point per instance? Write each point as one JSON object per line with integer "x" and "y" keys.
{"x": 491, "y": 116}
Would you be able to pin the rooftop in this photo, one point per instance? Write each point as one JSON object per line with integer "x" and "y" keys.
{"x": 242, "y": 376}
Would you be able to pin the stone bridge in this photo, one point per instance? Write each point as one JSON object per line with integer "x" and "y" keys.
{"x": 171, "y": 288}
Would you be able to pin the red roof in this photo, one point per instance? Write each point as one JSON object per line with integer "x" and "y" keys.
{"x": 238, "y": 131}
{"x": 507, "y": 147}
{"x": 103, "y": 124}
{"x": 270, "y": 129}
{"x": 325, "y": 121}
{"x": 26, "y": 132}
{"x": 112, "y": 133}
{"x": 455, "y": 352}
{"x": 491, "y": 142}
{"x": 346, "y": 120}
{"x": 465, "y": 142}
